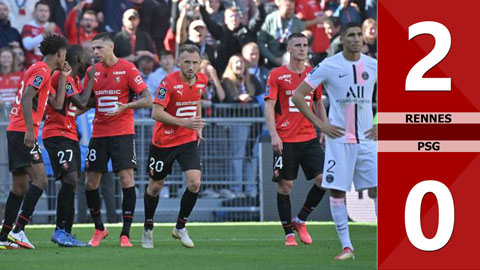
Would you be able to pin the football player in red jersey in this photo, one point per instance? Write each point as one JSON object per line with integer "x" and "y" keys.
{"x": 116, "y": 82}
{"x": 60, "y": 138}
{"x": 176, "y": 135}
{"x": 294, "y": 139}
{"x": 25, "y": 159}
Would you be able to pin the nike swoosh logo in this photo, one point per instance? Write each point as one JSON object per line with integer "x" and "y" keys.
{"x": 341, "y": 76}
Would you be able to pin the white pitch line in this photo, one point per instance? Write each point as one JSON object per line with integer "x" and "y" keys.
{"x": 200, "y": 224}
{"x": 222, "y": 240}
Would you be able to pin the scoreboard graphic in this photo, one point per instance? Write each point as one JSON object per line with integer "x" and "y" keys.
{"x": 429, "y": 135}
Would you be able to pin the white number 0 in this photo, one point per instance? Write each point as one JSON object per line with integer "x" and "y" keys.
{"x": 446, "y": 215}
{"x": 443, "y": 41}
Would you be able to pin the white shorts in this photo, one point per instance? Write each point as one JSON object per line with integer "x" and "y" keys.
{"x": 345, "y": 163}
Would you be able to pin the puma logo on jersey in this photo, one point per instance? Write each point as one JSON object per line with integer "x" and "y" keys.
{"x": 286, "y": 77}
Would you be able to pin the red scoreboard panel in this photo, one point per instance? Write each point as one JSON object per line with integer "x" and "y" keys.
{"x": 429, "y": 134}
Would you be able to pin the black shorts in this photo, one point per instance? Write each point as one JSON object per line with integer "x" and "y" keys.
{"x": 160, "y": 160}
{"x": 64, "y": 156}
{"x": 309, "y": 155}
{"x": 20, "y": 156}
{"x": 121, "y": 149}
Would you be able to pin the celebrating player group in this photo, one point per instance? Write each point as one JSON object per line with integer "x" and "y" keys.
{"x": 114, "y": 88}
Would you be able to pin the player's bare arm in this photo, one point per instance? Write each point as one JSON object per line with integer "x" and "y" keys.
{"x": 277, "y": 144}
{"x": 199, "y": 130}
{"x": 372, "y": 134}
{"x": 299, "y": 100}
{"x": 82, "y": 100}
{"x": 26, "y": 103}
{"x": 143, "y": 102}
{"x": 159, "y": 114}
{"x": 57, "y": 100}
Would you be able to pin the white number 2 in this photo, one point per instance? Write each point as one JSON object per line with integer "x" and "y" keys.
{"x": 443, "y": 41}
{"x": 446, "y": 215}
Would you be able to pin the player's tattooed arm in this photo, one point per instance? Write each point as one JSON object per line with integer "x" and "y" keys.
{"x": 57, "y": 100}
{"x": 299, "y": 100}
{"x": 159, "y": 114}
{"x": 82, "y": 100}
{"x": 199, "y": 130}
{"x": 143, "y": 102}
{"x": 277, "y": 144}
{"x": 26, "y": 104}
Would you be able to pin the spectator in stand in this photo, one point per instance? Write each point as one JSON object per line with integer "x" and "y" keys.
{"x": 237, "y": 82}
{"x": 86, "y": 28}
{"x": 214, "y": 91}
{"x": 18, "y": 59}
{"x": 312, "y": 14}
{"x": 213, "y": 8}
{"x": 60, "y": 9}
{"x": 197, "y": 32}
{"x": 369, "y": 30}
{"x": 145, "y": 65}
{"x": 132, "y": 43}
{"x": 169, "y": 43}
{"x": 10, "y": 36}
{"x": 371, "y": 9}
{"x": 332, "y": 29}
{"x": 272, "y": 38}
{"x": 153, "y": 22}
{"x": 348, "y": 11}
{"x": 259, "y": 73}
{"x": 21, "y": 12}
{"x": 233, "y": 34}
{"x": 34, "y": 32}
{"x": 239, "y": 88}
{"x": 248, "y": 8}
{"x": 167, "y": 65}
{"x": 113, "y": 11}
{"x": 9, "y": 82}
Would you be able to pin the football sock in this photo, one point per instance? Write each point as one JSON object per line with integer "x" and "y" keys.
{"x": 150, "y": 204}
{"x": 128, "y": 209}
{"x": 70, "y": 216}
{"x": 285, "y": 212}
{"x": 340, "y": 217}
{"x": 63, "y": 204}
{"x": 186, "y": 206}
{"x": 11, "y": 211}
{"x": 93, "y": 203}
{"x": 314, "y": 197}
{"x": 33, "y": 195}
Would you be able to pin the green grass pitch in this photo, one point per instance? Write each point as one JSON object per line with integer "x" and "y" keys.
{"x": 247, "y": 245}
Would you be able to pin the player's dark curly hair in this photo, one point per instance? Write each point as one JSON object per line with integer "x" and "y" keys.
{"x": 51, "y": 44}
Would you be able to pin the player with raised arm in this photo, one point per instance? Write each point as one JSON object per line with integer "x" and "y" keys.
{"x": 176, "y": 135}
{"x": 24, "y": 155}
{"x": 60, "y": 138}
{"x": 294, "y": 139}
{"x": 116, "y": 82}
{"x": 351, "y": 148}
